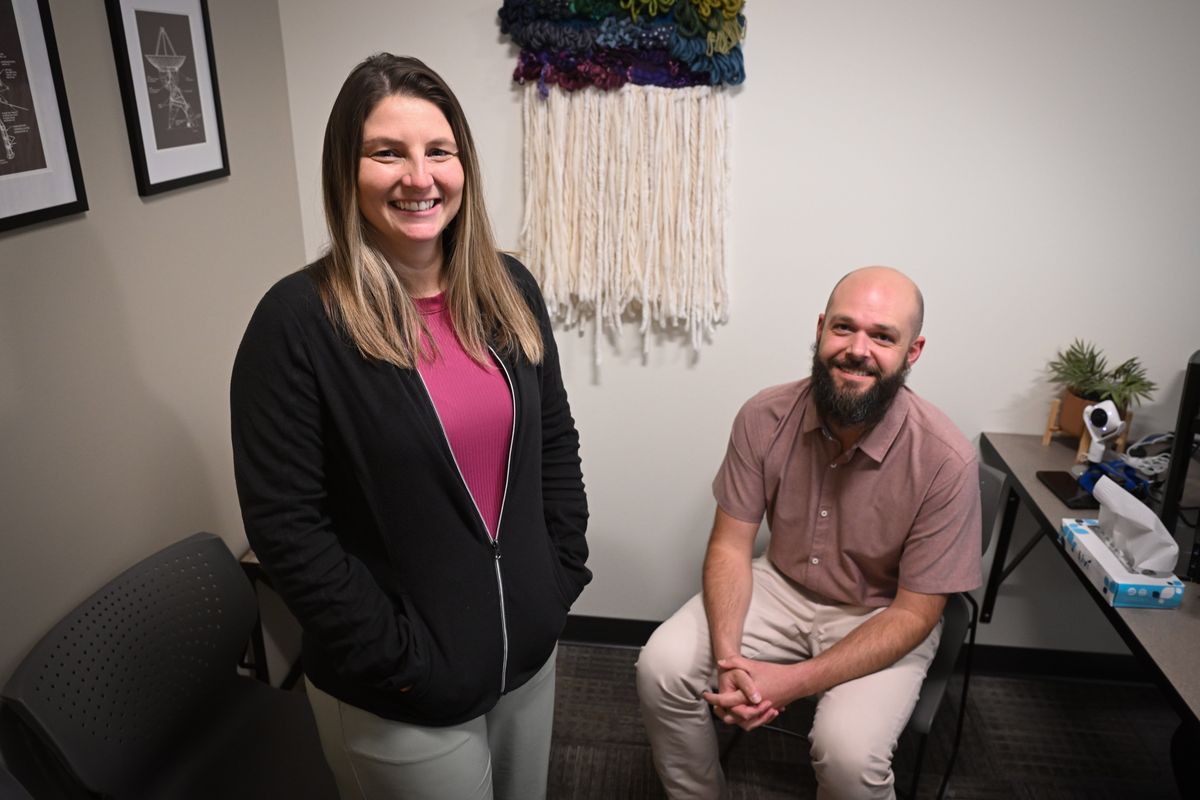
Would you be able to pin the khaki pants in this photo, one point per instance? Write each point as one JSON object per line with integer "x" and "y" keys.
{"x": 504, "y": 754}
{"x": 856, "y": 725}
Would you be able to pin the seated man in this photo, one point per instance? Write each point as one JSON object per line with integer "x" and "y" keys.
{"x": 872, "y": 499}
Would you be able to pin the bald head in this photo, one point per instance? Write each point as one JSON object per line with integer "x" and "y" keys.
{"x": 886, "y": 282}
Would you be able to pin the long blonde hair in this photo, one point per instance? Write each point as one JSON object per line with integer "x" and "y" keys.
{"x": 360, "y": 290}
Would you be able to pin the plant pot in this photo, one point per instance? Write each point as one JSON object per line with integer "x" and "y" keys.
{"x": 1070, "y": 417}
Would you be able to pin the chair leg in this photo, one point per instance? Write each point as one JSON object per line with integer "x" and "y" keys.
{"x": 962, "y": 702}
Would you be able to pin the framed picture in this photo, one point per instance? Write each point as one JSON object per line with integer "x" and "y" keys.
{"x": 168, "y": 81}
{"x": 39, "y": 167}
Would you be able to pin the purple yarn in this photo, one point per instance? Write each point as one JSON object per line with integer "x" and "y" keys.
{"x": 604, "y": 69}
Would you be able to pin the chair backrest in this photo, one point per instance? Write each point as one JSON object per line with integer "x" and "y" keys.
{"x": 993, "y": 486}
{"x": 115, "y": 683}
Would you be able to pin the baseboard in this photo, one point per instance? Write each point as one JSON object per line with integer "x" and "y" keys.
{"x": 988, "y": 659}
{"x": 1068, "y": 664}
{"x": 607, "y": 631}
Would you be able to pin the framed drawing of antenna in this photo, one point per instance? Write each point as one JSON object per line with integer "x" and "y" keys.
{"x": 168, "y": 80}
{"x": 40, "y": 177}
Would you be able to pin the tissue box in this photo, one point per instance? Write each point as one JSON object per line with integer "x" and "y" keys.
{"x": 1119, "y": 586}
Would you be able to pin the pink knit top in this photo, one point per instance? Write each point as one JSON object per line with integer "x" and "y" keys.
{"x": 475, "y": 406}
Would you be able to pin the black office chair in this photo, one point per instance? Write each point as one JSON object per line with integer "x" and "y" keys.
{"x": 135, "y": 693}
{"x": 10, "y": 788}
{"x": 959, "y": 621}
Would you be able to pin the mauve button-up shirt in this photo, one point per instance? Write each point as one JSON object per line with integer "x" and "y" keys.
{"x": 899, "y": 508}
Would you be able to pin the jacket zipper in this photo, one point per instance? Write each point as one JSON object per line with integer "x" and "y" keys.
{"x": 512, "y": 436}
{"x": 494, "y": 540}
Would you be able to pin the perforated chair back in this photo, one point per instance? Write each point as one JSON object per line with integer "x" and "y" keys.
{"x": 122, "y": 676}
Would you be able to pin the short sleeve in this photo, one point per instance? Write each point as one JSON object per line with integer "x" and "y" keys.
{"x": 942, "y": 553}
{"x": 739, "y": 488}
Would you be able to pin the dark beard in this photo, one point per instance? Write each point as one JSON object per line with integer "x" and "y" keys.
{"x": 846, "y": 409}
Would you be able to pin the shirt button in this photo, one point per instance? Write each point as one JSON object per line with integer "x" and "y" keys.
{"x": 814, "y": 561}
{"x": 824, "y": 513}
{"x": 833, "y": 465}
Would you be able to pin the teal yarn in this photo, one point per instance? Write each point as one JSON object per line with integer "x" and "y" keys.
{"x": 720, "y": 67}
{"x": 714, "y": 49}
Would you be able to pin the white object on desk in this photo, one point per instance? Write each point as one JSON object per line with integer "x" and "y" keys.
{"x": 1103, "y": 423}
{"x": 1137, "y": 536}
{"x": 1116, "y": 583}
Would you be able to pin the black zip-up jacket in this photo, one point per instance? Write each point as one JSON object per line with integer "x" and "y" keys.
{"x": 353, "y": 503}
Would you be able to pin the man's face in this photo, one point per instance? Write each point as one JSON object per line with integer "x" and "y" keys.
{"x": 865, "y": 346}
{"x": 846, "y": 406}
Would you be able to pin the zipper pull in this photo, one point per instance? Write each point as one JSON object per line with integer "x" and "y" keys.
{"x": 496, "y": 548}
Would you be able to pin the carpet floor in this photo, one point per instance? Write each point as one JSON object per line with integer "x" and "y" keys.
{"x": 1024, "y": 739}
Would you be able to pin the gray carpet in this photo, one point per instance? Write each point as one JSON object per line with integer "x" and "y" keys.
{"x": 1024, "y": 739}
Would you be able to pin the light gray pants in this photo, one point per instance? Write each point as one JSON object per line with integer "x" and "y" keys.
{"x": 503, "y": 754}
{"x": 857, "y": 723}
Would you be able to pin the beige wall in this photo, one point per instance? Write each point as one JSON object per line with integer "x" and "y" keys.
{"x": 118, "y": 329}
{"x": 1033, "y": 165}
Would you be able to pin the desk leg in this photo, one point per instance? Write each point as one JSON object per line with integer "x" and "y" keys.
{"x": 996, "y": 574}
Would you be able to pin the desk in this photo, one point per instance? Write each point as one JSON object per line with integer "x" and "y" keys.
{"x": 1167, "y": 642}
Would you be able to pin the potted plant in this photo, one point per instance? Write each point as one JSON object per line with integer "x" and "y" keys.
{"x": 1082, "y": 371}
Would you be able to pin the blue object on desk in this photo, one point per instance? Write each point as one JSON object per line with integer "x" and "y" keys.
{"x": 1119, "y": 473}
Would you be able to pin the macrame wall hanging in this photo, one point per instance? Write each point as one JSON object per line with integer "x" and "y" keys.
{"x": 626, "y": 167}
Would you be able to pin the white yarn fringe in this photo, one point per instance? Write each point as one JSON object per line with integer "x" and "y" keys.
{"x": 625, "y": 206}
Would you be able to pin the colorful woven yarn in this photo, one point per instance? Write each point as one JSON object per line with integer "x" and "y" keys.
{"x": 518, "y": 11}
{"x": 577, "y": 36}
{"x": 720, "y": 67}
{"x": 544, "y": 34}
{"x": 649, "y": 7}
{"x": 619, "y": 32}
{"x": 608, "y": 43}
{"x": 728, "y": 8}
{"x": 596, "y": 9}
{"x": 604, "y": 69}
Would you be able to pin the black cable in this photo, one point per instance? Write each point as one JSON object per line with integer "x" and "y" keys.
{"x": 1191, "y": 523}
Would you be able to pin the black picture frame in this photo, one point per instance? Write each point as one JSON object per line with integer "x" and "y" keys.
{"x": 168, "y": 81}
{"x": 40, "y": 176}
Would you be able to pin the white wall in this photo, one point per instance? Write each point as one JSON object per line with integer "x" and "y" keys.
{"x": 1032, "y": 165}
{"x": 118, "y": 329}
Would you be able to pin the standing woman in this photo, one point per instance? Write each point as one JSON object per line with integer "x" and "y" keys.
{"x": 407, "y": 464}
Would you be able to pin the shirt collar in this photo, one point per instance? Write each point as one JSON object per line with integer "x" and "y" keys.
{"x": 877, "y": 441}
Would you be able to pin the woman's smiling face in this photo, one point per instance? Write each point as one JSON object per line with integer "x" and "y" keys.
{"x": 410, "y": 181}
